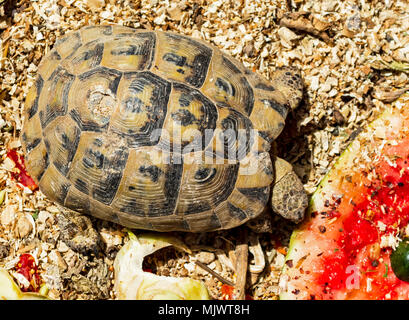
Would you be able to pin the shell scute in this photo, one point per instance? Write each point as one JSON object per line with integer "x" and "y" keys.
{"x": 190, "y": 121}
{"x": 92, "y": 99}
{"x": 53, "y": 100}
{"x": 228, "y": 86}
{"x": 98, "y": 166}
{"x": 151, "y": 172}
{"x": 182, "y": 59}
{"x": 132, "y": 52}
{"x": 85, "y": 58}
{"x": 142, "y": 103}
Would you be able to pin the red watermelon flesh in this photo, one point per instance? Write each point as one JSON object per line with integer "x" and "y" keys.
{"x": 356, "y": 218}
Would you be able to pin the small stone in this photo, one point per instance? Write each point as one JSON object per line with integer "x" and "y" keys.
{"x": 328, "y": 84}
{"x": 8, "y": 164}
{"x": 333, "y": 92}
{"x": 161, "y": 20}
{"x": 329, "y": 5}
{"x": 190, "y": 266}
{"x": 287, "y": 37}
{"x": 205, "y": 257}
{"x": 45, "y": 217}
{"x": 315, "y": 83}
{"x": 62, "y": 247}
{"x": 352, "y": 25}
{"x": 174, "y": 12}
{"x": 164, "y": 271}
{"x": 23, "y": 227}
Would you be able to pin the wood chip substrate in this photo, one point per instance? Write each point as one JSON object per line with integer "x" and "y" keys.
{"x": 354, "y": 58}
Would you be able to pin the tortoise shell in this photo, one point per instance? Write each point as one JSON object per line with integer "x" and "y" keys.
{"x": 128, "y": 126}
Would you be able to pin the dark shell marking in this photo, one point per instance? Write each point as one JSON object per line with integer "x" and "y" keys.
{"x": 93, "y": 139}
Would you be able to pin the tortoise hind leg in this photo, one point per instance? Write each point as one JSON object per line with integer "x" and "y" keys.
{"x": 288, "y": 197}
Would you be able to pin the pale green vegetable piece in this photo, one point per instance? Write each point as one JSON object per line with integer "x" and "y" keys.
{"x": 9, "y": 290}
{"x": 394, "y": 65}
{"x": 132, "y": 283}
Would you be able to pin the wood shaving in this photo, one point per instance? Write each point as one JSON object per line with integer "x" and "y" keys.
{"x": 354, "y": 60}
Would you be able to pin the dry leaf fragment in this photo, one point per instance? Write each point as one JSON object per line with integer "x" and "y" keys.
{"x": 388, "y": 96}
{"x": 320, "y": 25}
{"x": 300, "y": 22}
{"x": 381, "y": 64}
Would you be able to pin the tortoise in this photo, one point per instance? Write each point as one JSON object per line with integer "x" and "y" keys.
{"x": 159, "y": 131}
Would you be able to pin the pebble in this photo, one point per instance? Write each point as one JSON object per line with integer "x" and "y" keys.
{"x": 174, "y": 12}
{"x": 287, "y": 37}
{"x": 184, "y": 272}
{"x": 205, "y": 257}
{"x": 23, "y": 227}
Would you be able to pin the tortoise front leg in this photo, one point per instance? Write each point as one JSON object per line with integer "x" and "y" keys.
{"x": 288, "y": 197}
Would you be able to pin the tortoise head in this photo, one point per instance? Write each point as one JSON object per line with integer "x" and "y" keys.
{"x": 288, "y": 80}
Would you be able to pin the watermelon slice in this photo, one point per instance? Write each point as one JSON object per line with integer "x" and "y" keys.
{"x": 357, "y": 217}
